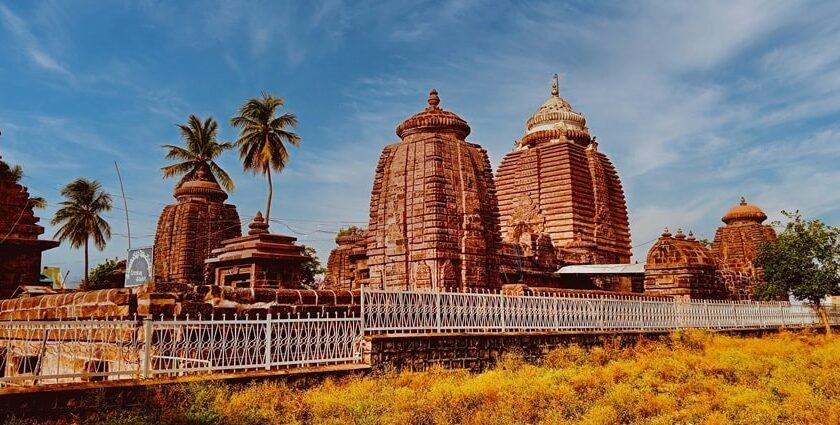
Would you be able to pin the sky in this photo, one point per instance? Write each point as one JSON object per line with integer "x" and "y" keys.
{"x": 696, "y": 103}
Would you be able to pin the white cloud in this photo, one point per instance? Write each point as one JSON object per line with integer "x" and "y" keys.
{"x": 30, "y": 44}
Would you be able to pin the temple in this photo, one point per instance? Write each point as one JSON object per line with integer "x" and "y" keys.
{"x": 556, "y": 183}
{"x": 347, "y": 265}
{"x": 736, "y": 246}
{"x": 680, "y": 266}
{"x": 20, "y": 248}
{"x": 559, "y": 223}
{"x": 433, "y": 210}
{"x": 189, "y": 230}
{"x": 257, "y": 260}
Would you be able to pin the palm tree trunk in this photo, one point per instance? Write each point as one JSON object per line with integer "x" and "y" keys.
{"x": 86, "y": 263}
{"x": 270, "y": 193}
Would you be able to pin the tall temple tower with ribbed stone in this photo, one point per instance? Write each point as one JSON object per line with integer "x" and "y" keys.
{"x": 556, "y": 183}
{"x": 434, "y": 218}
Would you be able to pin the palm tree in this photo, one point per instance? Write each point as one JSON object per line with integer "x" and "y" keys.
{"x": 34, "y": 201}
{"x": 202, "y": 149}
{"x": 262, "y": 136}
{"x": 79, "y": 216}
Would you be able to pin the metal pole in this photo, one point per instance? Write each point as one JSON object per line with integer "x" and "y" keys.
{"x": 147, "y": 347}
{"x": 125, "y": 204}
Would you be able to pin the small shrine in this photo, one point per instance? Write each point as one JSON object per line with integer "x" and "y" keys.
{"x": 347, "y": 265}
{"x": 680, "y": 266}
{"x": 736, "y": 245}
{"x": 189, "y": 230}
{"x": 258, "y": 260}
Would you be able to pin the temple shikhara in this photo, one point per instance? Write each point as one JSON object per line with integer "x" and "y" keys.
{"x": 556, "y": 184}
{"x": 434, "y": 219}
{"x": 20, "y": 248}
{"x": 553, "y": 217}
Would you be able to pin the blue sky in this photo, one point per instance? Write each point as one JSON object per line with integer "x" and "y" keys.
{"x": 697, "y": 103}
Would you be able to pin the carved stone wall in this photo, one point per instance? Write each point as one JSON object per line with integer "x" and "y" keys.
{"x": 188, "y": 231}
{"x": 434, "y": 214}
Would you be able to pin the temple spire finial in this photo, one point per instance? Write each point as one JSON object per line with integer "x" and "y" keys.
{"x": 743, "y": 201}
{"x": 555, "y": 86}
{"x": 434, "y": 99}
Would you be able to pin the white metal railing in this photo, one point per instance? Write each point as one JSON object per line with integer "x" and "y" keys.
{"x": 38, "y": 352}
{"x": 413, "y": 311}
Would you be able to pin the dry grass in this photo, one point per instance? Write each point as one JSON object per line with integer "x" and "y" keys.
{"x": 694, "y": 377}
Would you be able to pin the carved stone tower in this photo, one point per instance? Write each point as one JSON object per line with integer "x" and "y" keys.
{"x": 20, "y": 248}
{"x": 188, "y": 231}
{"x": 556, "y": 182}
{"x": 433, "y": 212}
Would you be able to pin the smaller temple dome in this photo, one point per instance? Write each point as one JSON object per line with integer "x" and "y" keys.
{"x": 203, "y": 184}
{"x": 678, "y": 249}
{"x": 744, "y": 212}
{"x": 555, "y": 118}
{"x": 433, "y": 119}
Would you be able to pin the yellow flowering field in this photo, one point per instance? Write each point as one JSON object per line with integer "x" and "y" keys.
{"x": 693, "y": 378}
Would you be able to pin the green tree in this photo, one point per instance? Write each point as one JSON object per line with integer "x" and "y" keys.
{"x": 202, "y": 149}
{"x": 263, "y": 137}
{"x": 311, "y": 268}
{"x": 804, "y": 261}
{"x": 34, "y": 201}
{"x": 79, "y": 216}
{"x": 110, "y": 274}
{"x": 350, "y": 231}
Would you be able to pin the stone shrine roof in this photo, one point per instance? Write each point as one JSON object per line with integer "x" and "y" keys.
{"x": 744, "y": 212}
{"x": 433, "y": 119}
{"x": 553, "y": 113}
{"x": 555, "y": 118}
{"x": 678, "y": 250}
{"x": 202, "y": 185}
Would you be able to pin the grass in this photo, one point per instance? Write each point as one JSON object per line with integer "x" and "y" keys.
{"x": 693, "y": 377}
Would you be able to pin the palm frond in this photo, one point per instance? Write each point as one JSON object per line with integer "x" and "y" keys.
{"x": 79, "y": 214}
{"x": 221, "y": 176}
{"x": 178, "y": 169}
{"x": 37, "y": 202}
{"x": 179, "y": 153}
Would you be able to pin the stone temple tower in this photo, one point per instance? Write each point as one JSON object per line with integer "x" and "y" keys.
{"x": 555, "y": 182}
{"x": 433, "y": 211}
{"x": 189, "y": 230}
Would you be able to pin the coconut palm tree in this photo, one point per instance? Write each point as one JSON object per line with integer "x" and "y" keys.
{"x": 262, "y": 138}
{"x": 79, "y": 216}
{"x": 201, "y": 148}
{"x": 34, "y": 201}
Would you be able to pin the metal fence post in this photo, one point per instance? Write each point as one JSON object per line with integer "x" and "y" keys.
{"x": 147, "y": 347}
{"x": 438, "y": 324}
{"x": 502, "y": 304}
{"x": 268, "y": 341}
{"x": 362, "y": 308}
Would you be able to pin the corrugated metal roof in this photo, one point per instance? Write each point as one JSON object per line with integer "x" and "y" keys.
{"x": 603, "y": 269}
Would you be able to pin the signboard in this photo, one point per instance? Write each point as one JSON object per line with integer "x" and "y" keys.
{"x": 139, "y": 268}
{"x": 54, "y": 273}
